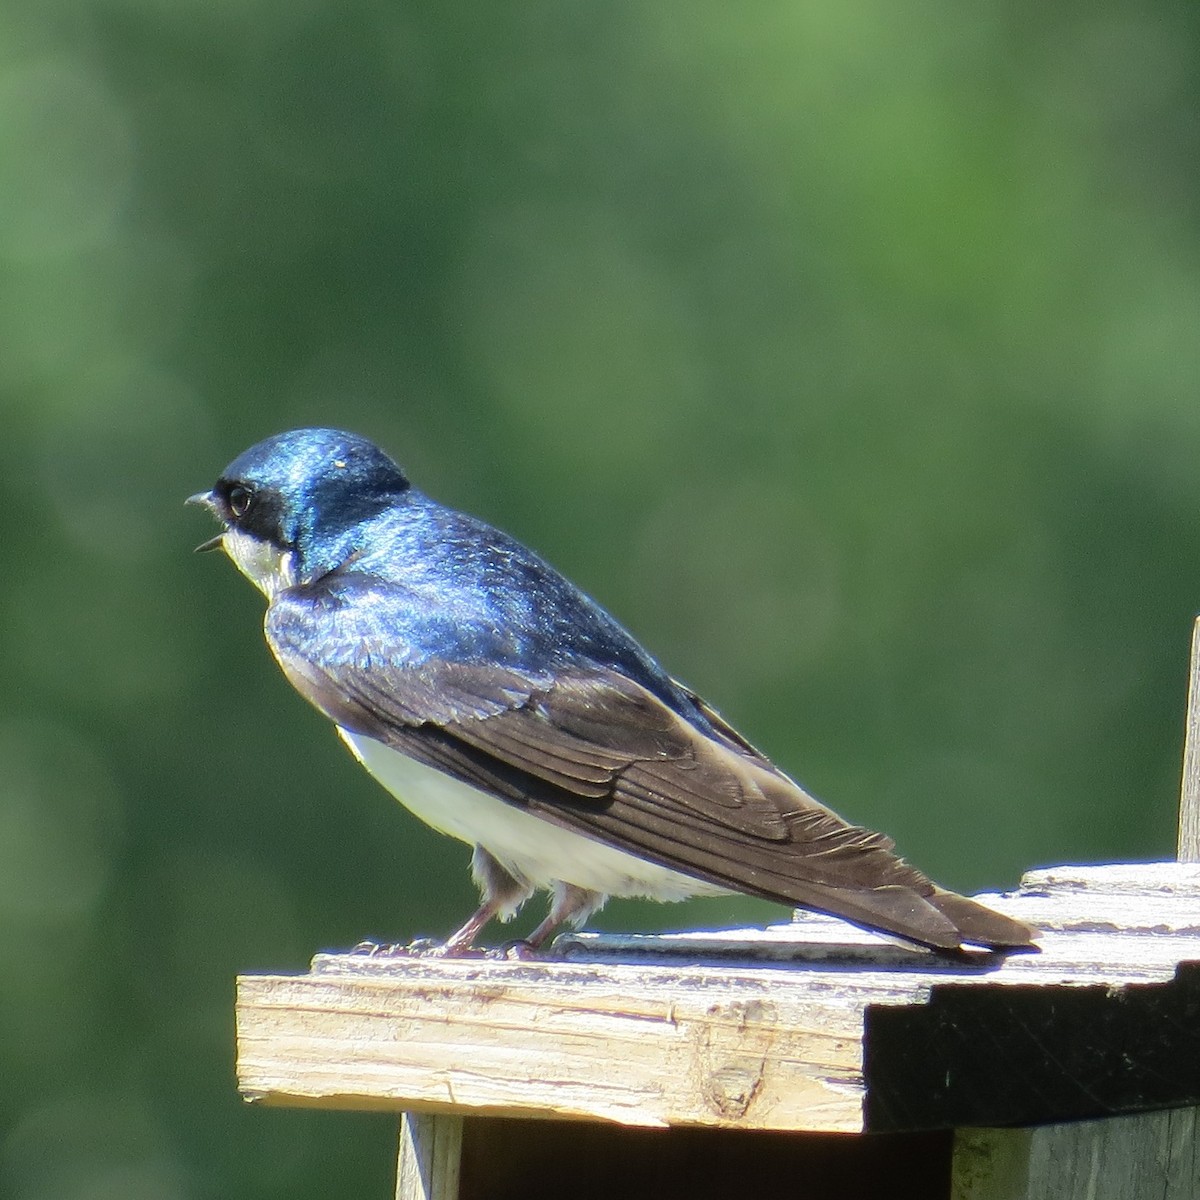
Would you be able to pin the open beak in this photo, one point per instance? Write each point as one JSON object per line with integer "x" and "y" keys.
{"x": 209, "y": 501}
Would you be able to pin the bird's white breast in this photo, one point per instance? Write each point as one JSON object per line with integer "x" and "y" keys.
{"x": 528, "y": 846}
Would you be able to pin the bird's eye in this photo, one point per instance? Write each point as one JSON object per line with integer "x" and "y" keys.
{"x": 239, "y": 500}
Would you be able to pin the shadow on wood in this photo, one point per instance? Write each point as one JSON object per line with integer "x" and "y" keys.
{"x": 518, "y": 1160}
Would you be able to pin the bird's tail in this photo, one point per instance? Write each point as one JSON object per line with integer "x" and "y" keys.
{"x": 980, "y": 925}
{"x": 936, "y": 918}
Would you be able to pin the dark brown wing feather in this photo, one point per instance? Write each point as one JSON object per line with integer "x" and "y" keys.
{"x": 598, "y": 753}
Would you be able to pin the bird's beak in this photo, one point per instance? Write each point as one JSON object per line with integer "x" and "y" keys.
{"x": 204, "y": 499}
{"x": 209, "y": 501}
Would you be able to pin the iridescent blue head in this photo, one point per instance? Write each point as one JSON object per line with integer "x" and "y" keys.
{"x": 291, "y": 504}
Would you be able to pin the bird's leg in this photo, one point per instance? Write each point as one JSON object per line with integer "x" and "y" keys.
{"x": 462, "y": 939}
{"x": 503, "y": 893}
{"x": 571, "y": 905}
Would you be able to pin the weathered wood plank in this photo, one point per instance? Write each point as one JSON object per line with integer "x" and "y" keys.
{"x": 809, "y": 1026}
{"x": 511, "y": 1038}
{"x": 1150, "y": 1156}
{"x": 1150, "y": 879}
{"x": 430, "y": 1157}
{"x": 1127, "y": 922}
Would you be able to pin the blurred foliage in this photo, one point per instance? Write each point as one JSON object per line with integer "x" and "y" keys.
{"x": 847, "y": 352}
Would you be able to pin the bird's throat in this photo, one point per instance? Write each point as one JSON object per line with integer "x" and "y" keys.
{"x": 268, "y": 567}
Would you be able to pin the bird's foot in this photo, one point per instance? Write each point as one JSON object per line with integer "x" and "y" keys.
{"x": 417, "y": 948}
{"x": 372, "y": 949}
{"x": 518, "y": 950}
{"x": 428, "y": 948}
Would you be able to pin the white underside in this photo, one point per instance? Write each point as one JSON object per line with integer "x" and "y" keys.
{"x": 534, "y": 850}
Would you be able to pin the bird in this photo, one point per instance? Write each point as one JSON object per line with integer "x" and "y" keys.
{"x": 504, "y": 707}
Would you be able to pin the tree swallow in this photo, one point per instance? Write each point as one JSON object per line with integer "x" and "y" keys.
{"x": 504, "y": 707}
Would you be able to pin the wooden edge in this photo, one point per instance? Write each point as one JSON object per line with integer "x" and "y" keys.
{"x": 1189, "y": 791}
{"x": 1158, "y": 878}
{"x": 719, "y": 1054}
{"x": 430, "y": 1157}
{"x": 1011, "y": 1055}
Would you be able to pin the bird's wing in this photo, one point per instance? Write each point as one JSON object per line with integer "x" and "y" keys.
{"x": 595, "y": 751}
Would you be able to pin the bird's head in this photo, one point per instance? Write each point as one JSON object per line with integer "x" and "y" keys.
{"x": 291, "y": 504}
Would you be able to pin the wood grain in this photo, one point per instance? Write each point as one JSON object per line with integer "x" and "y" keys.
{"x": 430, "y": 1158}
{"x": 1151, "y": 1156}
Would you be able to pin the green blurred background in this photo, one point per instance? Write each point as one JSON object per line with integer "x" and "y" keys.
{"x": 847, "y": 352}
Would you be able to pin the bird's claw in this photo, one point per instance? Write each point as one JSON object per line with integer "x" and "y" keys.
{"x": 418, "y": 948}
{"x": 385, "y": 949}
{"x": 517, "y": 950}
